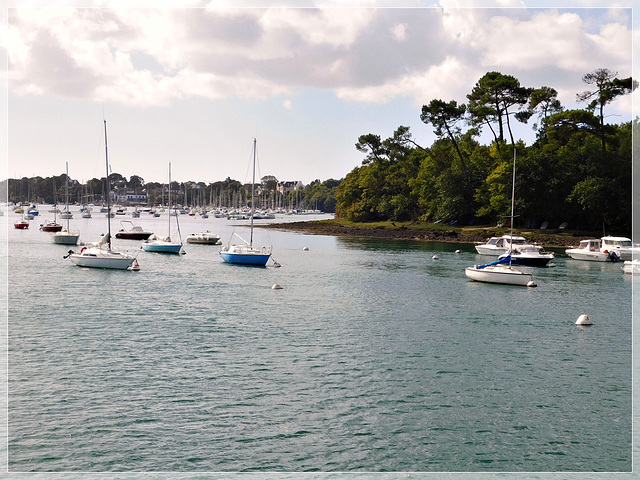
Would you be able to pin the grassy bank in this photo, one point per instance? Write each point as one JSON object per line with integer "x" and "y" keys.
{"x": 433, "y": 232}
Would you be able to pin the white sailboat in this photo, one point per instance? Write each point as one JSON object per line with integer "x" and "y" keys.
{"x": 101, "y": 255}
{"x": 501, "y": 270}
{"x": 246, "y": 253}
{"x": 66, "y": 236}
{"x": 164, "y": 245}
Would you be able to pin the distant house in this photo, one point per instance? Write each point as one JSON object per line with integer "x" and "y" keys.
{"x": 286, "y": 188}
{"x": 125, "y": 196}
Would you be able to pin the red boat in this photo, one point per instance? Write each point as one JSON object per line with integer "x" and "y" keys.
{"x": 48, "y": 226}
{"x": 22, "y": 224}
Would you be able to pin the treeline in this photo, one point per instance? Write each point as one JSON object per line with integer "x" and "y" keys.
{"x": 577, "y": 171}
{"x": 320, "y": 195}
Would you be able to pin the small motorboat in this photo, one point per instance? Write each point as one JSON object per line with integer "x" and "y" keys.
{"x": 204, "y": 238}
{"x": 49, "y": 226}
{"x": 632, "y": 267}
{"x": 500, "y": 245}
{"x": 130, "y": 231}
{"x": 529, "y": 256}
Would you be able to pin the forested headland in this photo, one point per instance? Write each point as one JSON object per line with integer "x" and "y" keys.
{"x": 578, "y": 170}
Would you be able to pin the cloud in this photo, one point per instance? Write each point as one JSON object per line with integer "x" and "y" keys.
{"x": 156, "y": 56}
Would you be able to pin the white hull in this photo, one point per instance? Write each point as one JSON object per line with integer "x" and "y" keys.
{"x": 632, "y": 267}
{"x": 578, "y": 254}
{"x": 502, "y": 274}
{"x": 204, "y": 238}
{"x": 102, "y": 258}
{"x": 65, "y": 238}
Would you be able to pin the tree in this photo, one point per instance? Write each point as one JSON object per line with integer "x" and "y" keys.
{"x": 492, "y": 98}
{"x": 444, "y": 117}
{"x": 544, "y": 100}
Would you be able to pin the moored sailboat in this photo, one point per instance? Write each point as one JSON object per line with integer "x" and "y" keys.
{"x": 246, "y": 253}
{"x": 101, "y": 255}
{"x": 501, "y": 270}
{"x": 165, "y": 245}
{"x": 66, "y": 236}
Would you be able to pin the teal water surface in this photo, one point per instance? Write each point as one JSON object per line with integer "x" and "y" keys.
{"x": 372, "y": 357}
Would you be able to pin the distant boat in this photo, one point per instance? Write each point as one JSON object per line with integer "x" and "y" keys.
{"x": 66, "y": 236}
{"x": 54, "y": 226}
{"x": 101, "y": 255}
{"x": 529, "y": 256}
{"x": 204, "y": 238}
{"x": 246, "y": 253}
{"x": 501, "y": 270}
{"x": 130, "y": 231}
{"x": 631, "y": 266}
{"x": 500, "y": 245}
{"x": 164, "y": 245}
{"x": 605, "y": 249}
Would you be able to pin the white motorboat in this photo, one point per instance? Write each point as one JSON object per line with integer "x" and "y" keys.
{"x": 499, "y": 245}
{"x": 590, "y": 250}
{"x": 605, "y": 249}
{"x": 101, "y": 255}
{"x": 529, "y": 256}
{"x": 621, "y": 246}
{"x": 246, "y": 253}
{"x": 632, "y": 267}
{"x": 204, "y": 238}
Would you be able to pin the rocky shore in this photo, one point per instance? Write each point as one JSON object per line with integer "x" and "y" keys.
{"x": 418, "y": 232}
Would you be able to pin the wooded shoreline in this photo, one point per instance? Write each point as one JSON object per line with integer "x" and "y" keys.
{"x": 430, "y": 232}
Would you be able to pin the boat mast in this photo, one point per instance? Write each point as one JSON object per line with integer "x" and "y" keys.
{"x": 253, "y": 182}
{"x": 106, "y": 156}
{"x": 170, "y": 202}
{"x": 66, "y": 192}
{"x": 513, "y": 198}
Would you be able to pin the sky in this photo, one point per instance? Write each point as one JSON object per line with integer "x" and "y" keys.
{"x": 193, "y": 82}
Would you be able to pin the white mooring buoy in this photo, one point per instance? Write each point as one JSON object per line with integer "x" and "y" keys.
{"x": 458, "y": 251}
{"x": 584, "y": 320}
{"x": 435, "y": 257}
{"x": 306, "y": 249}
{"x": 531, "y": 283}
{"x": 276, "y": 286}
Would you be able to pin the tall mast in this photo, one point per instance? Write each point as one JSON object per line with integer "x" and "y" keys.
{"x": 513, "y": 198}
{"x": 170, "y": 202}
{"x": 106, "y": 156}
{"x": 66, "y": 192}
{"x": 253, "y": 181}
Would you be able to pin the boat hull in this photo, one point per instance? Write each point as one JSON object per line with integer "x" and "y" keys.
{"x": 204, "y": 239}
{"x": 576, "y": 254}
{"x": 21, "y": 226}
{"x": 530, "y": 260}
{"x": 99, "y": 258}
{"x": 257, "y": 259}
{"x": 162, "y": 247}
{"x": 498, "y": 274}
{"x": 62, "y": 238}
{"x": 133, "y": 236}
{"x": 51, "y": 228}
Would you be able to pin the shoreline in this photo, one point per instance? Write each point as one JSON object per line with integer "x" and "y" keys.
{"x": 426, "y": 233}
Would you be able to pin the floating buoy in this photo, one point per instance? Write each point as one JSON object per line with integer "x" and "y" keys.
{"x": 531, "y": 283}
{"x": 135, "y": 267}
{"x": 584, "y": 320}
{"x": 435, "y": 257}
{"x": 276, "y": 286}
{"x": 458, "y": 251}
{"x": 306, "y": 249}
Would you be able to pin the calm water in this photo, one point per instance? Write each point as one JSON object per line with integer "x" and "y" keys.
{"x": 373, "y": 357}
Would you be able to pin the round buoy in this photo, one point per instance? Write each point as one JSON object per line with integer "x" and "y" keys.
{"x": 458, "y": 251}
{"x": 276, "y": 286}
{"x": 435, "y": 257}
{"x": 306, "y": 249}
{"x": 531, "y": 283}
{"x": 584, "y": 320}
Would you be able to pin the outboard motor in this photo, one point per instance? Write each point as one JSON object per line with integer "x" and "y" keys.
{"x": 613, "y": 256}
{"x": 70, "y": 252}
